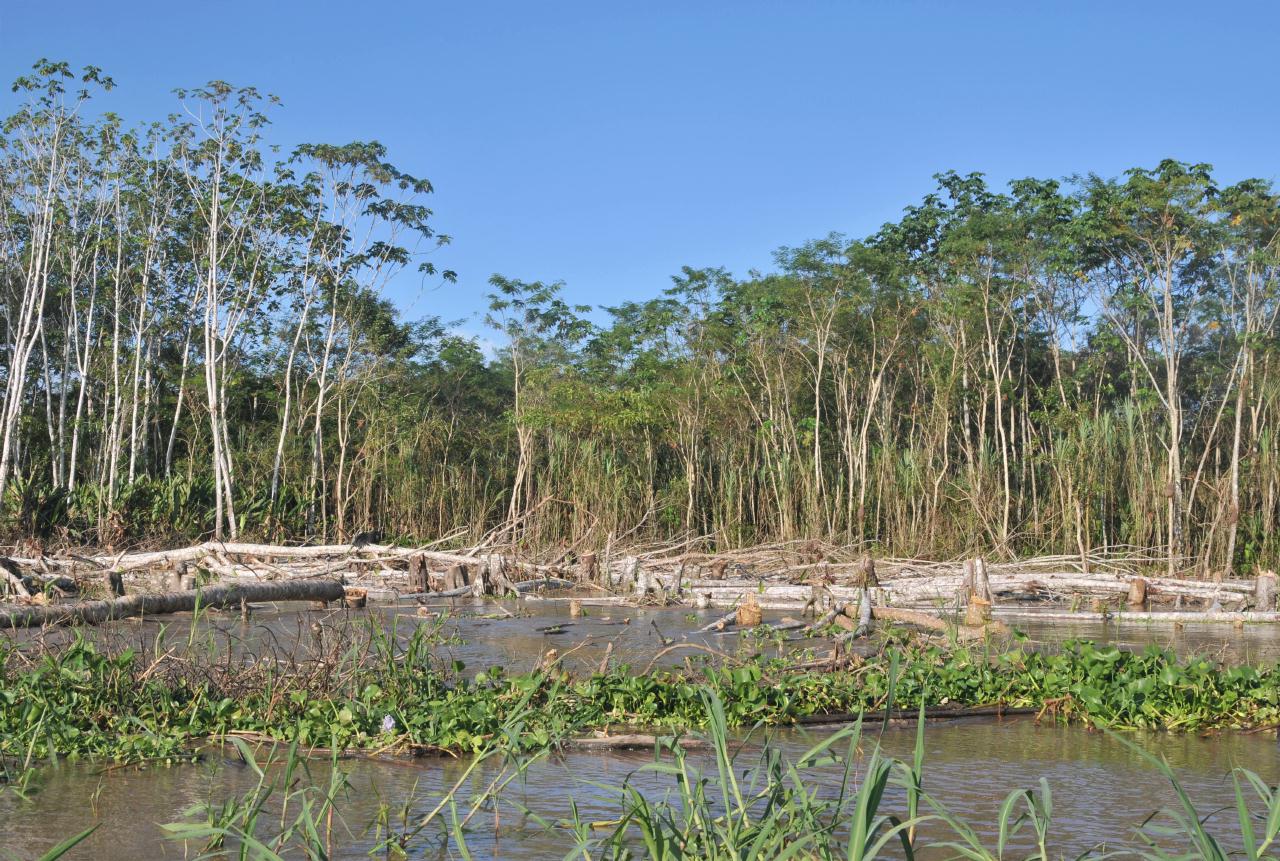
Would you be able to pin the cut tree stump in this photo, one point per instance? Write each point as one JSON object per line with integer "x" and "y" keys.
{"x": 981, "y": 581}
{"x": 419, "y": 574}
{"x": 588, "y": 568}
{"x": 1264, "y": 591}
{"x": 1137, "y": 599}
{"x": 456, "y": 577}
{"x": 978, "y": 613}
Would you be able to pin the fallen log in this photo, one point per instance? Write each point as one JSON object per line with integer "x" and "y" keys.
{"x": 719, "y": 624}
{"x": 1168, "y": 616}
{"x": 942, "y": 590}
{"x": 232, "y": 595}
{"x": 909, "y": 617}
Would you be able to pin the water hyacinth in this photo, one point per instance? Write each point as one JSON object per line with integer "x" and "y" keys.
{"x": 125, "y": 712}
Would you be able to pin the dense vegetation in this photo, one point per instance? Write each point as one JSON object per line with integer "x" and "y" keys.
{"x": 196, "y": 339}
{"x": 82, "y": 700}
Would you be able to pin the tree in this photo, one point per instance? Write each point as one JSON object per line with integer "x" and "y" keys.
{"x": 1149, "y": 240}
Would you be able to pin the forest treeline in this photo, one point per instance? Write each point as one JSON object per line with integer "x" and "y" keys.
{"x": 197, "y": 341}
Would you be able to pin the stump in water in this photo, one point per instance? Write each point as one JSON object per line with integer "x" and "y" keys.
{"x": 419, "y": 574}
{"x": 965, "y": 592}
{"x": 868, "y": 573}
{"x": 456, "y": 577}
{"x": 981, "y": 582}
{"x": 978, "y": 612}
{"x": 499, "y": 583}
{"x": 976, "y": 584}
{"x": 479, "y": 584}
{"x": 749, "y": 612}
{"x": 642, "y": 580}
{"x": 1137, "y": 594}
{"x": 588, "y": 568}
{"x": 1264, "y": 591}
{"x": 575, "y": 609}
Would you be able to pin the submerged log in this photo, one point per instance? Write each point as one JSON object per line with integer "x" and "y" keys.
{"x": 909, "y": 617}
{"x": 631, "y": 741}
{"x": 930, "y": 591}
{"x": 912, "y": 715}
{"x": 94, "y": 612}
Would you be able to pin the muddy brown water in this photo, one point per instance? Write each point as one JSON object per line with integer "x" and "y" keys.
{"x": 482, "y": 634}
{"x": 1101, "y": 789}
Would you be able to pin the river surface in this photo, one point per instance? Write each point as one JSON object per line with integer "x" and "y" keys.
{"x": 1101, "y": 789}
{"x": 516, "y": 635}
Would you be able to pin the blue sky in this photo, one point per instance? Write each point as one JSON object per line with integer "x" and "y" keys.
{"x": 607, "y": 144}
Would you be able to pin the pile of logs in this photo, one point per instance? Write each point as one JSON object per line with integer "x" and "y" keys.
{"x": 800, "y": 575}
{"x": 218, "y": 575}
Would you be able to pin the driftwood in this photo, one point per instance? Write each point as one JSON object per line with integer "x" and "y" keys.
{"x": 233, "y": 595}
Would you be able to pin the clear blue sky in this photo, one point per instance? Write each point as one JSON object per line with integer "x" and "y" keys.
{"x": 609, "y": 143}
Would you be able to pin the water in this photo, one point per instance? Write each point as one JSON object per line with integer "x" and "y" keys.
{"x": 482, "y": 634}
{"x": 1101, "y": 788}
